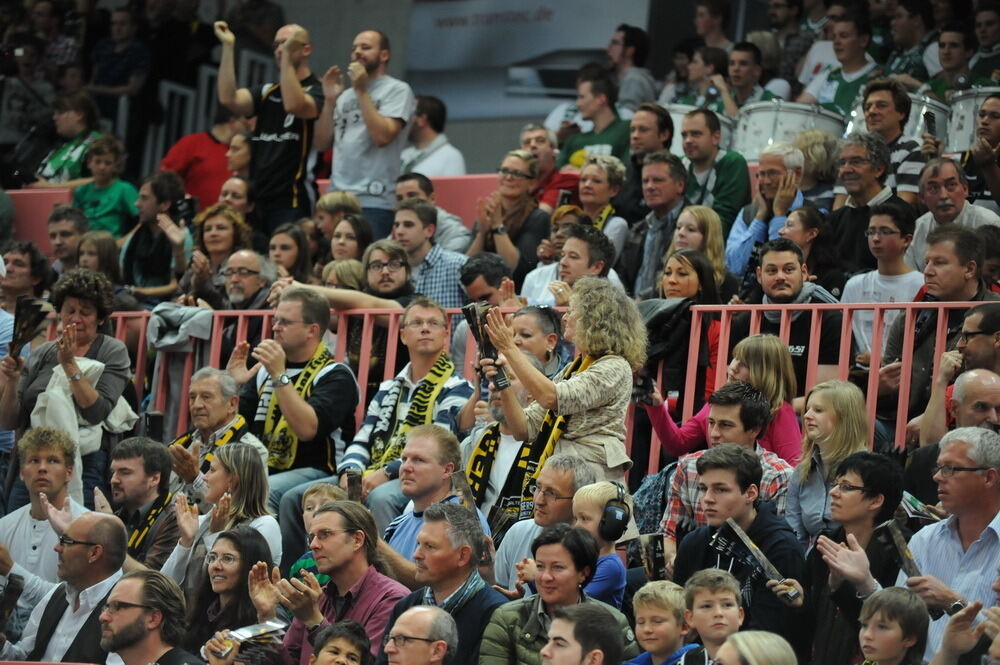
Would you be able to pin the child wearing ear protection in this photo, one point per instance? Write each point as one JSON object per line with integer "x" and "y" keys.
{"x": 603, "y": 509}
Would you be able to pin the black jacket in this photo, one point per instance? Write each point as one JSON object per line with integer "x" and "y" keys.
{"x": 764, "y": 611}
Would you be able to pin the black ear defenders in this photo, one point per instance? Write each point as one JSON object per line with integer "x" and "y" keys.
{"x": 615, "y": 517}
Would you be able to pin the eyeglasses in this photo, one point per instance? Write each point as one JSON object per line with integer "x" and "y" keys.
{"x": 323, "y": 534}
{"x": 242, "y": 272}
{"x": 871, "y": 233}
{"x": 66, "y": 541}
{"x": 433, "y": 324}
{"x": 379, "y": 266}
{"x": 278, "y": 322}
{"x": 949, "y": 471}
{"x": 227, "y": 559}
{"x": 966, "y": 334}
{"x": 847, "y": 487}
{"x": 401, "y": 641}
{"x": 512, "y": 173}
{"x": 116, "y": 606}
{"x": 549, "y": 495}
{"x": 853, "y": 162}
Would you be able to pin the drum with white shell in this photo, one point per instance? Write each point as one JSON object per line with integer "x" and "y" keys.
{"x": 762, "y": 123}
{"x": 964, "y": 115}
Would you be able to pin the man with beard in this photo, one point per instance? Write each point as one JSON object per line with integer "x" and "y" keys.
{"x": 140, "y": 494}
{"x": 364, "y": 124}
{"x": 944, "y": 190}
{"x": 283, "y": 135}
{"x": 249, "y": 277}
{"x": 142, "y": 621}
{"x": 783, "y": 276}
{"x": 64, "y": 626}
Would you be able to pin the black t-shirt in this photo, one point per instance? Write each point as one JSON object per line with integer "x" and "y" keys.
{"x": 798, "y": 339}
{"x": 334, "y": 398}
{"x": 849, "y": 226}
{"x": 282, "y": 145}
{"x": 178, "y": 656}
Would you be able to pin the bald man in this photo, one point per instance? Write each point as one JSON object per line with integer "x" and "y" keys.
{"x": 283, "y": 136}
{"x": 65, "y": 625}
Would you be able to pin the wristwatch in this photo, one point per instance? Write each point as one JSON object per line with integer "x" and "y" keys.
{"x": 284, "y": 379}
{"x": 77, "y": 376}
{"x": 956, "y": 607}
{"x": 500, "y": 230}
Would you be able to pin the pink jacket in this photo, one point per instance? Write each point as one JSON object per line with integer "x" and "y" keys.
{"x": 782, "y": 435}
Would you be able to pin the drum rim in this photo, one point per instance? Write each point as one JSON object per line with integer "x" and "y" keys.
{"x": 792, "y": 106}
{"x": 985, "y": 91}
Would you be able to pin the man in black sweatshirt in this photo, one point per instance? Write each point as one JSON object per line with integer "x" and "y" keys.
{"x": 729, "y": 478}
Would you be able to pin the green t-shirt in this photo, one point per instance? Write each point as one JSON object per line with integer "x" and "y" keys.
{"x": 725, "y": 189}
{"x": 910, "y": 61}
{"x": 107, "y": 208}
{"x": 712, "y": 103}
{"x": 839, "y": 94}
{"x": 612, "y": 141}
{"x": 988, "y": 66}
{"x": 939, "y": 85}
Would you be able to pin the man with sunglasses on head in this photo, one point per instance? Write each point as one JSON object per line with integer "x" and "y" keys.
{"x": 64, "y": 626}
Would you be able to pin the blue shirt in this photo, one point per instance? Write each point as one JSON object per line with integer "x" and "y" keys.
{"x": 747, "y": 233}
{"x": 608, "y": 583}
{"x": 401, "y": 534}
{"x": 6, "y": 335}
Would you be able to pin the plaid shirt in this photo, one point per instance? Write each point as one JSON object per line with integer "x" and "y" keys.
{"x": 61, "y": 50}
{"x": 437, "y": 277}
{"x": 684, "y": 506}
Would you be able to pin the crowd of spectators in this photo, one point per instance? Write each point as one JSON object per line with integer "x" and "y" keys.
{"x": 420, "y": 517}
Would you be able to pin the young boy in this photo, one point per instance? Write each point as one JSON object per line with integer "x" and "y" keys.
{"x": 894, "y": 625}
{"x": 659, "y": 624}
{"x": 589, "y": 502}
{"x": 315, "y": 496}
{"x": 109, "y": 203}
{"x": 729, "y": 476}
{"x": 714, "y": 609}
{"x": 890, "y": 232}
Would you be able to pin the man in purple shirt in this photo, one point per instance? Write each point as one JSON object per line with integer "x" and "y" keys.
{"x": 342, "y": 540}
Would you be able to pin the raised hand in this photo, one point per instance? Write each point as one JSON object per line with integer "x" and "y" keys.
{"x": 201, "y": 267}
{"x": 301, "y": 596}
{"x": 66, "y": 346}
{"x": 59, "y": 518}
{"x": 960, "y": 636}
{"x": 185, "y": 462}
{"x": 237, "y": 365}
{"x": 500, "y": 333}
{"x": 263, "y": 588}
{"x": 187, "y": 520}
{"x": 781, "y": 589}
{"x": 223, "y": 33}
{"x": 220, "y": 513}
{"x": 787, "y": 190}
{"x": 11, "y": 368}
{"x": 848, "y": 561}
{"x": 931, "y": 146}
{"x": 101, "y": 503}
{"x": 517, "y": 592}
{"x": 984, "y": 154}
{"x": 358, "y": 75}
{"x": 508, "y": 293}
{"x": 527, "y": 570}
{"x": 175, "y": 234}
{"x": 560, "y": 291}
{"x": 333, "y": 83}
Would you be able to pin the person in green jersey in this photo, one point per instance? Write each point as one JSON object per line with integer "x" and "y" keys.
{"x": 596, "y": 95}
{"x": 986, "y": 61}
{"x": 837, "y": 89}
{"x": 705, "y": 79}
{"x": 744, "y": 79}
{"x": 108, "y": 202}
{"x": 912, "y": 25}
{"x": 955, "y": 47}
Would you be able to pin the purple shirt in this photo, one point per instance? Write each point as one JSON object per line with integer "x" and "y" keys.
{"x": 369, "y": 602}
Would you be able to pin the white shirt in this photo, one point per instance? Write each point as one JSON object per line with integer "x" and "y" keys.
{"x": 971, "y": 217}
{"x": 69, "y": 625}
{"x": 32, "y": 547}
{"x": 176, "y": 564}
{"x": 536, "y": 284}
{"x": 436, "y": 160}
{"x": 873, "y": 286}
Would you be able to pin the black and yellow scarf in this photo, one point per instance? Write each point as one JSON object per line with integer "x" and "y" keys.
{"x": 603, "y": 216}
{"x": 138, "y": 535}
{"x": 516, "y": 498}
{"x": 234, "y": 432}
{"x": 387, "y": 440}
{"x": 282, "y": 442}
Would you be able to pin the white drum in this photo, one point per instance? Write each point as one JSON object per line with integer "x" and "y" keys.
{"x": 916, "y": 126}
{"x": 678, "y": 111}
{"x": 964, "y": 116}
{"x": 762, "y": 123}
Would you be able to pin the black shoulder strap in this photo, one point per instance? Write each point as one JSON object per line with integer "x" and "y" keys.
{"x": 50, "y": 619}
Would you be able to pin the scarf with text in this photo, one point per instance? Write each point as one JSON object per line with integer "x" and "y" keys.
{"x": 234, "y": 432}
{"x": 282, "y": 442}
{"x": 387, "y": 440}
{"x": 532, "y": 456}
{"x": 603, "y": 217}
{"x": 138, "y": 535}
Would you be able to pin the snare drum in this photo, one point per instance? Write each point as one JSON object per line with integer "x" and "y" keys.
{"x": 762, "y": 123}
{"x": 916, "y": 126}
{"x": 964, "y": 114}
{"x": 678, "y": 111}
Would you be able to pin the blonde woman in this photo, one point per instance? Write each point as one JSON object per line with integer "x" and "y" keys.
{"x": 344, "y": 274}
{"x": 582, "y": 411}
{"x": 509, "y": 221}
{"x": 836, "y": 425}
{"x": 601, "y": 178}
{"x": 699, "y": 227}
{"x": 236, "y": 482}
{"x": 819, "y": 171}
{"x": 764, "y": 362}
{"x": 755, "y": 647}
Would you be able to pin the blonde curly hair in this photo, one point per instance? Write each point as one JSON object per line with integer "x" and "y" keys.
{"x": 607, "y": 321}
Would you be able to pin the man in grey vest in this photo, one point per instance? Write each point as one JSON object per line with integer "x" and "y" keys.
{"x": 65, "y": 625}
